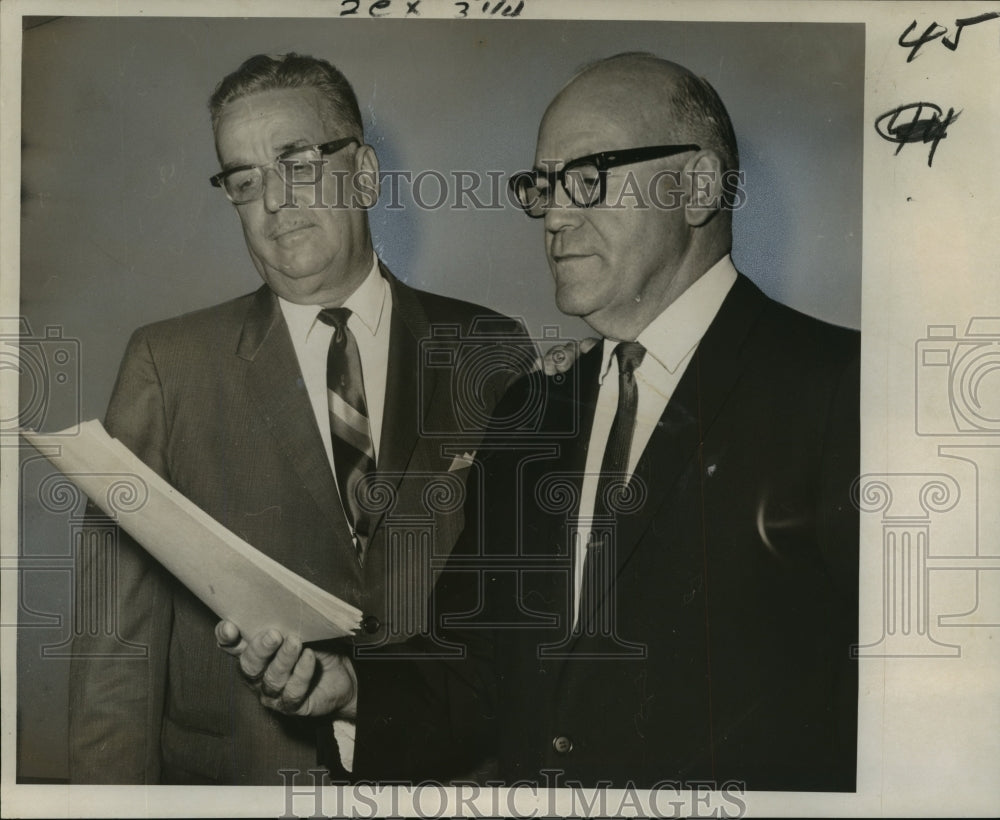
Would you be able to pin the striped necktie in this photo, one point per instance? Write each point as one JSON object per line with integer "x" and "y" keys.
{"x": 353, "y": 451}
{"x": 599, "y": 565}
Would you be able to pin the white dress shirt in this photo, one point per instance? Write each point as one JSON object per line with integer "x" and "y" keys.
{"x": 371, "y": 308}
{"x": 670, "y": 341}
{"x": 370, "y": 320}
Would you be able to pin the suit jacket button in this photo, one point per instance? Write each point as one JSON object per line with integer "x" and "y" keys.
{"x": 371, "y": 624}
{"x": 562, "y": 744}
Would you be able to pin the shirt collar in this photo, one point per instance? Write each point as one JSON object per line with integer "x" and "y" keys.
{"x": 672, "y": 335}
{"x": 367, "y": 303}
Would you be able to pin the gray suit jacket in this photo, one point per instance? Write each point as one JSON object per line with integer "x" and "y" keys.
{"x": 214, "y": 402}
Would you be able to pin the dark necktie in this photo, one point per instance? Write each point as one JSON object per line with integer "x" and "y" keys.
{"x": 599, "y": 565}
{"x": 353, "y": 451}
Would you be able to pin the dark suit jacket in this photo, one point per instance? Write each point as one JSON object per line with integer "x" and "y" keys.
{"x": 725, "y": 650}
{"x": 215, "y": 403}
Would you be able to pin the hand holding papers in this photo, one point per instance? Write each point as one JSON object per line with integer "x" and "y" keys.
{"x": 290, "y": 678}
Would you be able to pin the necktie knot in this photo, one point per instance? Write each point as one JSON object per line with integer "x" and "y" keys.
{"x": 630, "y": 356}
{"x": 337, "y": 319}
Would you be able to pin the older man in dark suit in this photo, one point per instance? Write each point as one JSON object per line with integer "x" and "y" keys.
{"x": 274, "y": 412}
{"x": 670, "y": 594}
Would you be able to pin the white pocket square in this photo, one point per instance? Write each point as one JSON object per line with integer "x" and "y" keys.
{"x": 462, "y": 461}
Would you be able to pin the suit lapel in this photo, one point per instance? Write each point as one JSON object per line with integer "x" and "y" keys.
{"x": 274, "y": 381}
{"x": 691, "y": 412}
{"x": 688, "y": 417}
{"x": 409, "y": 387}
{"x": 572, "y": 398}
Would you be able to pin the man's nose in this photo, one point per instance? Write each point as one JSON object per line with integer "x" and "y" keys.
{"x": 561, "y": 213}
{"x": 275, "y": 192}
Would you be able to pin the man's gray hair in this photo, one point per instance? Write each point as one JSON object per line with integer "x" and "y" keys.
{"x": 264, "y": 72}
{"x": 700, "y": 113}
{"x": 705, "y": 118}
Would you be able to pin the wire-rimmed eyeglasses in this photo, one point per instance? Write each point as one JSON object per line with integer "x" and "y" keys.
{"x": 245, "y": 183}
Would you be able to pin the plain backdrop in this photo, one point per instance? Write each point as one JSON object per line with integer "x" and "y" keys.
{"x": 120, "y": 226}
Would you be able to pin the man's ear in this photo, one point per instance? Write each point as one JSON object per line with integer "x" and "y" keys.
{"x": 366, "y": 177}
{"x": 703, "y": 175}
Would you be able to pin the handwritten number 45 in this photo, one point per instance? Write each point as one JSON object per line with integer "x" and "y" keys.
{"x": 936, "y": 31}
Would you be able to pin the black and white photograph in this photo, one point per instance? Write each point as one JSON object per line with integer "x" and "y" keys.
{"x": 500, "y": 409}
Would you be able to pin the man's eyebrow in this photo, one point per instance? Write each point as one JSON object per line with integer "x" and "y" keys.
{"x": 291, "y": 146}
{"x": 548, "y": 166}
{"x": 288, "y": 146}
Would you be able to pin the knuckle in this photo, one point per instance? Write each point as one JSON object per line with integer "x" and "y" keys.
{"x": 248, "y": 670}
{"x": 285, "y": 705}
{"x": 270, "y": 687}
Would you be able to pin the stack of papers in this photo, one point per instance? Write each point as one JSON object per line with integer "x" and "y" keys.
{"x": 238, "y": 582}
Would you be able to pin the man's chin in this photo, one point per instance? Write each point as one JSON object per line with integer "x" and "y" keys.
{"x": 574, "y": 302}
{"x": 294, "y": 286}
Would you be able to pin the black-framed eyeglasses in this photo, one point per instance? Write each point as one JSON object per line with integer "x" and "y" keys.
{"x": 245, "y": 183}
{"x": 584, "y": 179}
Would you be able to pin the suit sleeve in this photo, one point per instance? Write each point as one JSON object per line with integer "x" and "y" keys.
{"x": 117, "y": 680}
{"x": 838, "y": 516}
{"x": 514, "y": 356}
{"x": 423, "y": 718}
{"x": 427, "y": 708}
{"x": 433, "y": 714}
{"x": 839, "y": 543}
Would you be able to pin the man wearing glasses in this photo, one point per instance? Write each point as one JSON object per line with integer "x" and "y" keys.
{"x": 685, "y": 595}
{"x": 271, "y": 412}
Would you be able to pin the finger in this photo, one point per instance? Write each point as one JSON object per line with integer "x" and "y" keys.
{"x": 229, "y": 638}
{"x": 563, "y": 357}
{"x": 554, "y": 360}
{"x": 258, "y": 653}
{"x": 588, "y": 344}
{"x": 297, "y": 686}
{"x": 545, "y": 364}
{"x": 278, "y": 671}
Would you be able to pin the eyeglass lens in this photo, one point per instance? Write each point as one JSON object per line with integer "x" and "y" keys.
{"x": 248, "y": 184}
{"x": 582, "y": 184}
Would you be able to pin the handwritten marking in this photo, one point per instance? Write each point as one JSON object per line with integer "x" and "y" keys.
{"x": 936, "y": 31}
{"x": 920, "y": 128}
{"x": 492, "y": 9}
{"x": 350, "y": 7}
{"x": 967, "y": 21}
{"x": 931, "y": 33}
